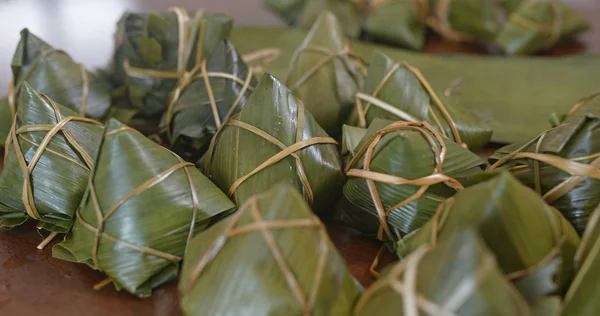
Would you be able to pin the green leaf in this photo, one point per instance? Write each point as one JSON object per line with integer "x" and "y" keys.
{"x": 329, "y": 90}
{"x": 274, "y": 119}
{"x": 396, "y": 22}
{"x": 150, "y": 50}
{"x": 459, "y": 276}
{"x": 406, "y": 153}
{"x": 60, "y": 162}
{"x": 512, "y": 96}
{"x": 533, "y": 243}
{"x": 147, "y": 217}
{"x": 289, "y": 267}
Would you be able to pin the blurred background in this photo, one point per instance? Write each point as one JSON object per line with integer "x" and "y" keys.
{"x": 84, "y": 28}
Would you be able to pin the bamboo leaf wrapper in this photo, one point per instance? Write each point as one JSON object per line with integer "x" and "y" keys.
{"x": 48, "y": 157}
{"x": 136, "y": 228}
{"x": 534, "y": 245}
{"x": 459, "y": 276}
{"x": 293, "y": 149}
{"x": 325, "y": 74}
{"x": 271, "y": 257}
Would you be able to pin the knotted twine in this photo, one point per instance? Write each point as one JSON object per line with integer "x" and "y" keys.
{"x": 403, "y": 280}
{"x": 285, "y": 152}
{"x": 14, "y": 90}
{"x": 266, "y": 227}
{"x": 576, "y": 167}
{"x": 553, "y": 29}
{"x": 439, "y": 149}
{"x": 373, "y": 100}
{"x": 559, "y": 231}
{"x": 51, "y": 130}
{"x": 103, "y": 216}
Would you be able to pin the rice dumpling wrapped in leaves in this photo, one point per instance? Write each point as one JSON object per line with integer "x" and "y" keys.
{"x": 49, "y": 153}
{"x": 563, "y": 163}
{"x": 304, "y": 13}
{"x": 400, "y": 174}
{"x": 398, "y": 91}
{"x": 459, "y": 276}
{"x": 52, "y": 72}
{"x": 581, "y": 298}
{"x": 465, "y": 20}
{"x": 325, "y": 74}
{"x": 397, "y": 22}
{"x": 272, "y": 257}
{"x": 142, "y": 206}
{"x": 533, "y": 244}
{"x": 537, "y": 25}
{"x": 209, "y": 99}
{"x": 274, "y": 139}
{"x": 157, "y": 52}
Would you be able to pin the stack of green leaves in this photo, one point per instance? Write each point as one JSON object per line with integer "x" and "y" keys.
{"x": 399, "y": 175}
{"x": 214, "y": 95}
{"x": 563, "y": 163}
{"x": 156, "y": 53}
{"x": 304, "y": 13}
{"x": 459, "y": 276}
{"x": 49, "y": 144}
{"x": 142, "y": 206}
{"x": 580, "y": 300}
{"x": 397, "y": 22}
{"x": 325, "y": 74}
{"x": 533, "y": 244}
{"x": 275, "y": 139}
{"x": 272, "y": 257}
{"x": 537, "y": 25}
{"x": 399, "y": 91}
{"x": 52, "y": 72}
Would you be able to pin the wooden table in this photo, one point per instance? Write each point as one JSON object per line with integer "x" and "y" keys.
{"x": 33, "y": 283}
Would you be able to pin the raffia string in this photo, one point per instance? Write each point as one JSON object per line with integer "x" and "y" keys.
{"x": 286, "y": 151}
{"x": 439, "y": 149}
{"x": 103, "y": 215}
{"x": 587, "y": 242}
{"x": 51, "y": 130}
{"x": 553, "y": 29}
{"x": 555, "y": 219}
{"x": 265, "y": 227}
{"x": 13, "y": 90}
{"x": 373, "y": 100}
{"x": 403, "y": 278}
{"x": 345, "y": 55}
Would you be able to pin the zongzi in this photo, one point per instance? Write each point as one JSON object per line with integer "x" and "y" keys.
{"x": 399, "y": 91}
{"x": 580, "y": 300}
{"x": 142, "y": 206}
{"x": 537, "y": 25}
{"x": 397, "y": 22}
{"x": 457, "y": 277}
{"x": 200, "y": 105}
{"x": 274, "y": 139}
{"x": 52, "y": 72}
{"x": 533, "y": 244}
{"x": 325, "y": 74}
{"x": 272, "y": 257}
{"x": 399, "y": 175}
{"x": 49, "y": 153}
{"x": 563, "y": 163}
{"x": 155, "y": 53}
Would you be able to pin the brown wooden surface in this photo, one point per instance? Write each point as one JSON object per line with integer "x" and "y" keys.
{"x": 31, "y": 281}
